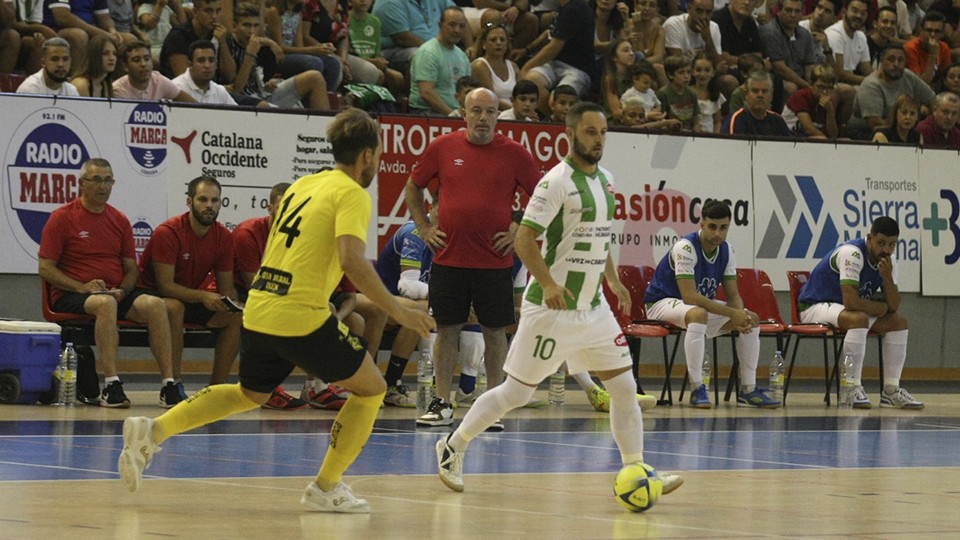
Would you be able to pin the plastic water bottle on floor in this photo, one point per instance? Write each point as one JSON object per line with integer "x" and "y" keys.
{"x": 558, "y": 389}
{"x": 707, "y": 370}
{"x": 776, "y": 376}
{"x": 67, "y": 376}
{"x": 847, "y": 384}
{"x": 424, "y": 381}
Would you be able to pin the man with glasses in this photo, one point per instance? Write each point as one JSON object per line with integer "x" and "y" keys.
{"x": 879, "y": 91}
{"x": 87, "y": 256}
{"x": 927, "y": 54}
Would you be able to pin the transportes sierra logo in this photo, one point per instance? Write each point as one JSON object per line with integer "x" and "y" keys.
{"x": 796, "y": 220}
{"x": 42, "y": 171}
{"x": 145, "y": 135}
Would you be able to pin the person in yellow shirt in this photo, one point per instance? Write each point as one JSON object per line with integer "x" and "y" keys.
{"x": 318, "y": 235}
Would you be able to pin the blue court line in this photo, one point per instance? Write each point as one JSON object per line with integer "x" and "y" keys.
{"x": 63, "y": 456}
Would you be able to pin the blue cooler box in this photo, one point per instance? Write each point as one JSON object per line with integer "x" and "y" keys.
{"x": 29, "y": 351}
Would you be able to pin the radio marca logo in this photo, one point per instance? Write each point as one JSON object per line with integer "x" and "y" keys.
{"x": 43, "y": 171}
{"x": 145, "y": 135}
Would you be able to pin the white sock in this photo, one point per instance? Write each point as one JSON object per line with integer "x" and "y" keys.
{"x": 490, "y": 407}
{"x": 471, "y": 352}
{"x": 165, "y": 381}
{"x": 108, "y": 380}
{"x": 694, "y": 343}
{"x": 855, "y": 344}
{"x": 748, "y": 351}
{"x": 894, "y": 356}
{"x": 626, "y": 420}
{"x": 584, "y": 380}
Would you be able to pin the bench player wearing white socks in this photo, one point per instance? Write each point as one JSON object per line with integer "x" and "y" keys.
{"x": 683, "y": 292}
{"x": 843, "y": 291}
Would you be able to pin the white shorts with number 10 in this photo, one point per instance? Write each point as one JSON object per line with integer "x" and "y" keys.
{"x": 546, "y": 338}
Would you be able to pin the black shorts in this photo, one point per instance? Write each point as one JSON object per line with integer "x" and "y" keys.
{"x": 490, "y": 291}
{"x": 197, "y": 314}
{"x": 73, "y": 302}
{"x": 330, "y": 353}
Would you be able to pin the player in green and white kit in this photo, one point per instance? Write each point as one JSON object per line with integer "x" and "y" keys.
{"x": 564, "y": 315}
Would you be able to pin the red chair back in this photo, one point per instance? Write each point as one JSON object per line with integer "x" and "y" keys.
{"x": 629, "y": 277}
{"x": 796, "y": 279}
{"x": 758, "y": 295}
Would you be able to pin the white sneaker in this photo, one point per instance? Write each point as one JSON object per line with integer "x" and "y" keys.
{"x": 899, "y": 399}
{"x": 449, "y": 465}
{"x": 138, "y": 450}
{"x": 860, "y": 399}
{"x": 465, "y": 400}
{"x": 439, "y": 413}
{"x": 339, "y": 499}
{"x": 670, "y": 482}
{"x": 399, "y": 396}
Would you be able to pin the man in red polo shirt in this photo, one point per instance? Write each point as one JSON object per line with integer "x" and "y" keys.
{"x": 478, "y": 172}
{"x": 181, "y": 253}
{"x": 88, "y": 258}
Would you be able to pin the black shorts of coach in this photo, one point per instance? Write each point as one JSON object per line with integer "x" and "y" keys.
{"x": 490, "y": 291}
{"x": 330, "y": 353}
{"x": 72, "y": 302}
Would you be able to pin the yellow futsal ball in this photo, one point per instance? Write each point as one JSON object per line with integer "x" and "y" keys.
{"x": 637, "y": 487}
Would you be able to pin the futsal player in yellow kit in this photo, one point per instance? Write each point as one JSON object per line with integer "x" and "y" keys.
{"x": 318, "y": 235}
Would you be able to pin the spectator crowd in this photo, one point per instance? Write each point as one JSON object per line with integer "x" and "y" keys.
{"x": 821, "y": 69}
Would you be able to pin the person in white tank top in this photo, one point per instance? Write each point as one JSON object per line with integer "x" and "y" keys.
{"x": 492, "y": 67}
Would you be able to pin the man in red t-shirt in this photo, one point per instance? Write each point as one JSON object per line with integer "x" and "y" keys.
{"x": 928, "y": 54}
{"x": 249, "y": 243}
{"x": 181, "y": 253}
{"x": 477, "y": 172}
{"x": 87, "y": 256}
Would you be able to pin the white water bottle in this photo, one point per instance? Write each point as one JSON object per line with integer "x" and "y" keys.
{"x": 424, "y": 380}
{"x": 558, "y": 389}
{"x": 776, "y": 376}
{"x": 67, "y": 375}
{"x": 707, "y": 369}
{"x": 848, "y": 385}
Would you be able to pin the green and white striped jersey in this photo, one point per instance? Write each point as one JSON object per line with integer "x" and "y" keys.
{"x": 573, "y": 210}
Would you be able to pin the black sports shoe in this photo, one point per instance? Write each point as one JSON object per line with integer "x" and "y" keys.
{"x": 180, "y": 389}
{"x": 113, "y": 396}
{"x": 170, "y": 395}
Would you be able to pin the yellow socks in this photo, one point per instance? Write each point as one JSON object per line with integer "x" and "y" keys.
{"x": 349, "y": 433}
{"x": 208, "y": 405}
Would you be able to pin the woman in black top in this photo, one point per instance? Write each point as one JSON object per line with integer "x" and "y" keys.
{"x": 901, "y": 123}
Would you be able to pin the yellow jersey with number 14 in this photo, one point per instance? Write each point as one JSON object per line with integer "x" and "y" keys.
{"x": 301, "y": 266}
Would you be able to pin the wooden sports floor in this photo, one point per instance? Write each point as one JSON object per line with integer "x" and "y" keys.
{"x": 807, "y": 471}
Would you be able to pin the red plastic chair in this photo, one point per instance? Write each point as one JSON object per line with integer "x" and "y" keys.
{"x": 636, "y": 326}
{"x": 825, "y": 332}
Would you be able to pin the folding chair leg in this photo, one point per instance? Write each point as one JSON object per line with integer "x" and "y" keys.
{"x": 733, "y": 382}
{"x": 880, "y": 358}
{"x": 667, "y": 389}
{"x": 793, "y": 359}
